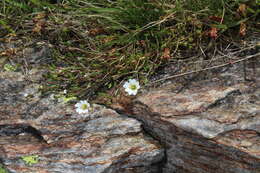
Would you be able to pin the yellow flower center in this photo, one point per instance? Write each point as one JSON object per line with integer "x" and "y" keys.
{"x": 133, "y": 87}
{"x": 84, "y": 106}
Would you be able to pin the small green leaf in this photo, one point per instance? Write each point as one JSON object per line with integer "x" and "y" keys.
{"x": 222, "y": 26}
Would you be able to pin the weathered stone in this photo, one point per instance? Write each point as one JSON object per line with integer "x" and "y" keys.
{"x": 212, "y": 126}
{"x": 65, "y": 141}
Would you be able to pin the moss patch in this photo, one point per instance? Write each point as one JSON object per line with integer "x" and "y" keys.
{"x": 30, "y": 160}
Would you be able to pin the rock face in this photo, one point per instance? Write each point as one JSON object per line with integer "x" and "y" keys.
{"x": 213, "y": 126}
{"x": 63, "y": 141}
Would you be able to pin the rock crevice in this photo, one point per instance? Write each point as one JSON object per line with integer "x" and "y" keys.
{"x": 213, "y": 128}
{"x": 65, "y": 141}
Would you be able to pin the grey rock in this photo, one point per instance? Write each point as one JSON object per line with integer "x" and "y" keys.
{"x": 212, "y": 126}
{"x": 65, "y": 141}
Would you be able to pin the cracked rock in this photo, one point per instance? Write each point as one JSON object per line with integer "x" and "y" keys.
{"x": 64, "y": 141}
{"x": 212, "y": 126}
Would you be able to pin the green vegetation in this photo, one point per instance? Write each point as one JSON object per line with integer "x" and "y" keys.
{"x": 30, "y": 160}
{"x": 2, "y": 170}
{"x": 99, "y": 43}
{"x": 9, "y": 67}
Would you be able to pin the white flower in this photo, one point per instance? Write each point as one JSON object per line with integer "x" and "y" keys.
{"x": 82, "y": 107}
{"x": 52, "y": 97}
{"x": 131, "y": 86}
{"x": 25, "y": 94}
{"x": 64, "y": 91}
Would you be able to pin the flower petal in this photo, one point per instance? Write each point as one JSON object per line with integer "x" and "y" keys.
{"x": 132, "y": 80}
{"x": 77, "y": 105}
{"x": 126, "y": 85}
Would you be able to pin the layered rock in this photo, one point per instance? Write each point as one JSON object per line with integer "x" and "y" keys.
{"x": 61, "y": 140}
{"x": 212, "y": 126}
{"x": 208, "y": 126}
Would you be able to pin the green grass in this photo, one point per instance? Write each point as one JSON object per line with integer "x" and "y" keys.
{"x": 98, "y": 44}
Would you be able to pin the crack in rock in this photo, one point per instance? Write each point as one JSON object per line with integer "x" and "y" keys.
{"x": 64, "y": 141}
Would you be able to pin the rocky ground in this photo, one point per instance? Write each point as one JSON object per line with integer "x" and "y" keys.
{"x": 61, "y": 139}
{"x": 211, "y": 125}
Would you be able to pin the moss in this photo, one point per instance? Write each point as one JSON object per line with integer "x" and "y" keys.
{"x": 9, "y": 67}
{"x": 65, "y": 99}
{"x": 30, "y": 160}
